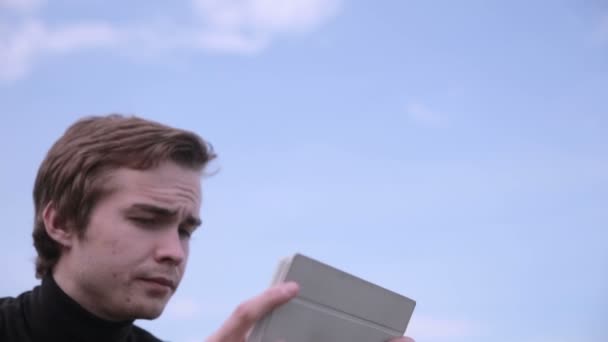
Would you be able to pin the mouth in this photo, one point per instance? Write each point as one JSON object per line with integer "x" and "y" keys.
{"x": 161, "y": 281}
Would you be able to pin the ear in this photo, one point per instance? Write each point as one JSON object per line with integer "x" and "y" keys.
{"x": 55, "y": 227}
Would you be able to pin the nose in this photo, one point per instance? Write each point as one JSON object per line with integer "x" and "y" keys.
{"x": 171, "y": 248}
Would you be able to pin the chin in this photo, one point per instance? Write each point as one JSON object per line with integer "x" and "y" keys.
{"x": 150, "y": 312}
{"x": 146, "y": 308}
{"x": 149, "y": 315}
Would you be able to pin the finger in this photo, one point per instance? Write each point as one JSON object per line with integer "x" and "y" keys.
{"x": 402, "y": 339}
{"x": 249, "y": 312}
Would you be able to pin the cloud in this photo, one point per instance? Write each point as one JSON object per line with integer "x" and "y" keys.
{"x": 237, "y": 27}
{"x": 183, "y": 308}
{"x": 21, "y": 5}
{"x": 34, "y": 40}
{"x": 248, "y": 26}
{"x": 426, "y": 328}
{"x": 265, "y": 17}
{"x": 421, "y": 114}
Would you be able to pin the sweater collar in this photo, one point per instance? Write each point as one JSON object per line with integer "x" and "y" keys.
{"x": 57, "y": 317}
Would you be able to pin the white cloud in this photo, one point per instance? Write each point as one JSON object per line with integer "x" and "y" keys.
{"x": 183, "y": 308}
{"x": 421, "y": 114}
{"x": 21, "y": 5}
{"x": 20, "y": 48}
{"x": 426, "y": 328}
{"x": 238, "y": 26}
{"x": 248, "y": 26}
{"x": 263, "y": 17}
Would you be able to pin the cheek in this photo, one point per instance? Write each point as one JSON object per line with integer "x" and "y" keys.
{"x": 114, "y": 247}
{"x": 186, "y": 249}
{"x": 116, "y": 251}
{"x": 125, "y": 253}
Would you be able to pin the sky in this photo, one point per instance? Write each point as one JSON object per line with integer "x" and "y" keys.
{"x": 451, "y": 151}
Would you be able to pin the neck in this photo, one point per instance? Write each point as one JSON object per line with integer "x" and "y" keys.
{"x": 67, "y": 280}
{"x": 55, "y": 316}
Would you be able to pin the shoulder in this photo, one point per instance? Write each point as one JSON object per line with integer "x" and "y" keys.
{"x": 6, "y": 302}
{"x": 13, "y": 325}
{"x": 141, "y": 335}
{"x": 10, "y": 305}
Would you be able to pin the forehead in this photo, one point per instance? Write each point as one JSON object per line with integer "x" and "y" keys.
{"x": 168, "y": 184}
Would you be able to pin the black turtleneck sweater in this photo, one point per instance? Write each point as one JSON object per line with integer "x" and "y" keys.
{"x": 46, "y": 313}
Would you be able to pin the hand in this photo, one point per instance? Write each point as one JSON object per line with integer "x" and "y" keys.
{"x": 238, "y": 325}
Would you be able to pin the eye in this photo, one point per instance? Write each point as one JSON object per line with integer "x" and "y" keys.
{"x": 185, "y": 233}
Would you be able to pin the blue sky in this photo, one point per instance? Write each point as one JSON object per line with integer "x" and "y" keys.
{"x": 453, "y": 151}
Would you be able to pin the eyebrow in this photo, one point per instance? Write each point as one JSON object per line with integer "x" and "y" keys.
{"x": 191, "y": 220}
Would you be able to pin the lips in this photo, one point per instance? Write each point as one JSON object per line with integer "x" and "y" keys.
{"x": 162, "y": 281}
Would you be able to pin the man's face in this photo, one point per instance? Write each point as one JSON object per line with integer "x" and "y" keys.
{"x": 134, "y": 250}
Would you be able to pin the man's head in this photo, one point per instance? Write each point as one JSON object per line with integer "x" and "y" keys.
{"x": 116, "y": 199}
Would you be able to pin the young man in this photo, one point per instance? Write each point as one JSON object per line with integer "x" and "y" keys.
{"x": 116, "y": 201}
